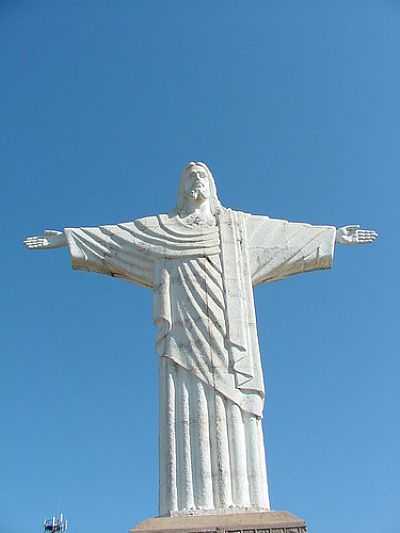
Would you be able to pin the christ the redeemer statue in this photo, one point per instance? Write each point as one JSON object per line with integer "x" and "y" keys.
{"x": 202, "y": 261}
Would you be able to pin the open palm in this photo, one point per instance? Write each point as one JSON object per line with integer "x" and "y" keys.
{"x": 49, "y": 239}
{"x": 355, "y": 235}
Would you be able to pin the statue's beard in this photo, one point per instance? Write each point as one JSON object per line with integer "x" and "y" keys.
{"x": 198, "y": 195}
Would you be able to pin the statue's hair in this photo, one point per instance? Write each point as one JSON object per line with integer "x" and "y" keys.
{"x": 215, "y": 204}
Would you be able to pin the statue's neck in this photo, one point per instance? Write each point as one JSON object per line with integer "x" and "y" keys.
{"x": 201, "y": 210}
{"x": 198, "y": 213}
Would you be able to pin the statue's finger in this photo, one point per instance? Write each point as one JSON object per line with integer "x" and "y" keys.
{"x": 366, "y": 234}
{"x": 35, "y": 244}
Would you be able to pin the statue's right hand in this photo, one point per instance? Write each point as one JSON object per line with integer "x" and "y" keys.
{"x": 49, "y": 239}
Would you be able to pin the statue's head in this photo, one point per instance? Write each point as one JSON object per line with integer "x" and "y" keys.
{"x": 197, "y": 184}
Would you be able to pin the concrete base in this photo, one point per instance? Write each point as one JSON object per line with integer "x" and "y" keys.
{"x": 265, "y": 522}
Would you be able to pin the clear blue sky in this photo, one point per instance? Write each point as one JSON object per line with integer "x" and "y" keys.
{"x": 295, "y": 106}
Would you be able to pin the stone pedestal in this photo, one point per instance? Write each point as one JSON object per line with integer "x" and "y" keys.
{"x": 263, "y": 522}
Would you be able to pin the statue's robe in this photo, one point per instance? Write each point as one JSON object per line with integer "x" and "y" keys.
{"x": 211, "y": 384}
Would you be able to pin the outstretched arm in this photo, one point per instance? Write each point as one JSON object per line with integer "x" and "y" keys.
{"x": 355, "y": 235}
{"x": 49, "y": 239}
{"x": 112, "y": 250}
{"x": 278, "y": 249}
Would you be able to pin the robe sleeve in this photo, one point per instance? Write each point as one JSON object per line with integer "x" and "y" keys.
{"x": 111, "y": 250}
{"x": 278, "y": 248}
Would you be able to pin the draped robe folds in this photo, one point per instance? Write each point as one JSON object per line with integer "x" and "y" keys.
{"x": 211, "y": 385}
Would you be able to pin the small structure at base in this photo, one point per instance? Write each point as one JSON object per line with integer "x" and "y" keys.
{"x": 55, "y": 525}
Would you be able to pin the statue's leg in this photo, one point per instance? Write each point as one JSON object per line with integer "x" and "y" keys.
{"x": 238, "y": 455}
{"x": 168, "y": 497}
{"x": 211, "y": 451}
{"x": 184, "y": 463}
{"x": 247, "y": 458}
{"x": 221, "y": 468}
{"x": 256, "y": 466}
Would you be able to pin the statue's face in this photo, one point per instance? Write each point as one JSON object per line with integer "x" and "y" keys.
{"x": 197, "y": 185}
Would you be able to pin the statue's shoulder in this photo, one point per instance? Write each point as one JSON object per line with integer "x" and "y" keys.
{"x": 152, "y": 221}
{"x": 257, "y": 218}
{"x": 244, "y": 215}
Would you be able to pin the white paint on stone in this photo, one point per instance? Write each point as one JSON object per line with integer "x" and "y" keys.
{"x": 201, "y": 262}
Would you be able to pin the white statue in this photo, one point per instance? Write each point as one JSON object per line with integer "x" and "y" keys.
{"x": 202, "y": 262}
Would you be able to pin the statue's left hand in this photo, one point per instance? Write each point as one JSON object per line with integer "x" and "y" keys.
{"x": 355, "y": 235}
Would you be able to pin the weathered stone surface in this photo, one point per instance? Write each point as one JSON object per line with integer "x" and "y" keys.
{"x": 268, "y": 522}
{"x": 202, "y": 261}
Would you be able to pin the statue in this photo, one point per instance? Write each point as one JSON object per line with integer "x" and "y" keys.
{"x": 202, "y": 261}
